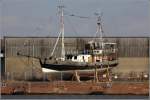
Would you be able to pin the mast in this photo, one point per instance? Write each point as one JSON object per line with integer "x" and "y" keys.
{"x": 100, "y": 31}
{"x": 61, "y": 13}
{"x": 99, "y": 24}
{"x": 99, "y": 27}
{"x": 61, "y": 32}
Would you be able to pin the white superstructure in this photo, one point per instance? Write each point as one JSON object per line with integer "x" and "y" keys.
{"x": 81, "y": 58}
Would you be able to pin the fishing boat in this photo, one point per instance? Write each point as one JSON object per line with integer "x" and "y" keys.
{"x": 97, "y": 54}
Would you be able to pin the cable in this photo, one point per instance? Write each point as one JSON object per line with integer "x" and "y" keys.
{"x": 73, "y": 28}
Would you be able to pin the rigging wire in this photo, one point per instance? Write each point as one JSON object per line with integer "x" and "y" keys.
{"x": 71, "y": 25}
{"x": 76, "y": 15}
{"x": 51, "y": 55}
{"x": 85, "y": 17}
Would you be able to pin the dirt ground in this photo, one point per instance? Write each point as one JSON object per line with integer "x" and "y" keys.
{"x": 135, "y": 64}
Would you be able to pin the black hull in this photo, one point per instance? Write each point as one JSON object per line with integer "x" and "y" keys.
{"x": 66, "y": 67}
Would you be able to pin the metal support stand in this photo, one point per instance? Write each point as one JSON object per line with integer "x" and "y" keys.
{"x": 61, "y": 76}
{"x": 96, "y": 75}
{"x": 109, "y": 84}
{"x": 108, "y": 74}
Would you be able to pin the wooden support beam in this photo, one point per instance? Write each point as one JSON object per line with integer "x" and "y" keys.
{"x": 76, "y": 76}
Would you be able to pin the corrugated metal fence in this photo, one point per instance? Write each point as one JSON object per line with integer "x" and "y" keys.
{"x": 42, "y": 46}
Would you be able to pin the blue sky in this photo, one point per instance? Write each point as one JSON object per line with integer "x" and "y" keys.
{"x": 39, "y": 17}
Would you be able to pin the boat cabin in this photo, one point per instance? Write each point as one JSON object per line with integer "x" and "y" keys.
{"x": 97, "y": 52}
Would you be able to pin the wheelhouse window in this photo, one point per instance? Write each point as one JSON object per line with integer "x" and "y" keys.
{"x": 75, "y": 57}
